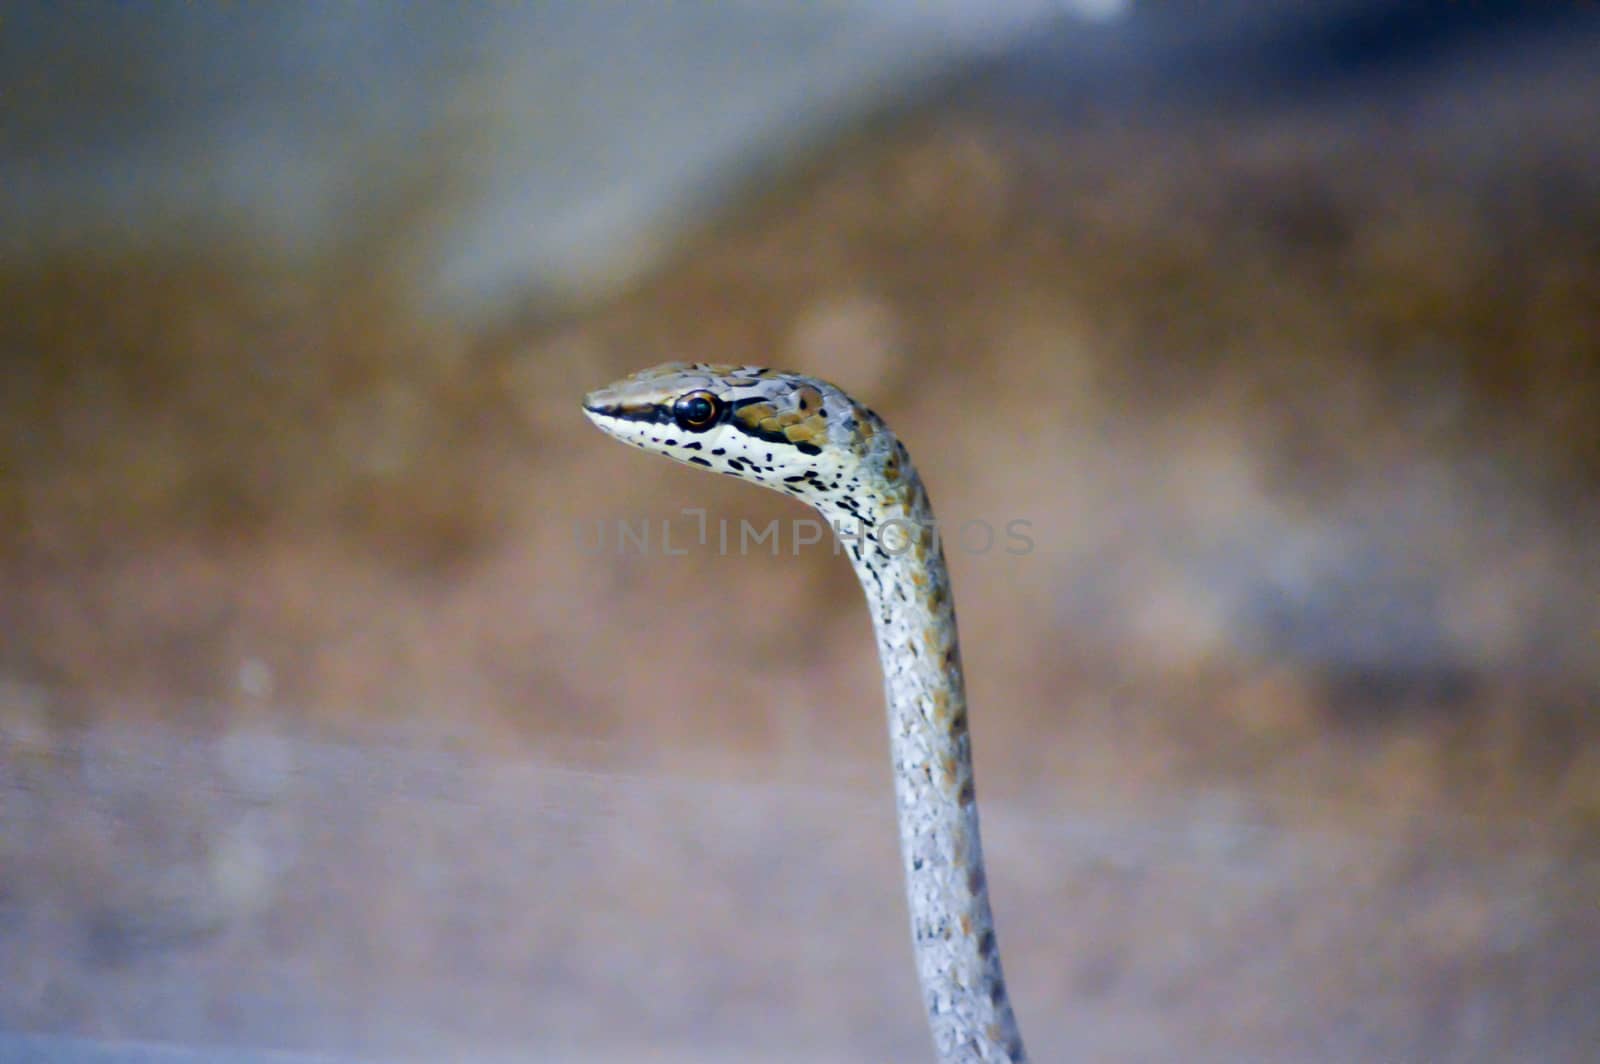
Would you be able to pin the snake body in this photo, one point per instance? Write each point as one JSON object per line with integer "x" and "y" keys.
{"x": 807, "y": 438}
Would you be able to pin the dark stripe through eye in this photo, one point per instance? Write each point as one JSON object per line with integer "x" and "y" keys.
{"x": 647, "y": 413}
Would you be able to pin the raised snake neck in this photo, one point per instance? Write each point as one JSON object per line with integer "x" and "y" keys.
{"x": 807, "y": 438}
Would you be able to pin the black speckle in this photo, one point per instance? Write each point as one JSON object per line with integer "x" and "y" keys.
{"x": 670, "y": 443}
{"x": 976, "y": 881}
{"x": 794, "y": 480}
{"x": 720, "y": 451}
{"x": 968, "y": 795}
{"x": 692, "y": 445}
{"x": 697, "y": 460}
{"x": 808, "y": 448}
{"x": 916, "y": 864}
{"x": 986, "y": 944}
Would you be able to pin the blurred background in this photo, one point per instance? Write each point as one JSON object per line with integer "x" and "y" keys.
{"x": 327, "y": 733}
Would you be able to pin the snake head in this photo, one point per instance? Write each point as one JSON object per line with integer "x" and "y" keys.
{"x": 789, "y": 432}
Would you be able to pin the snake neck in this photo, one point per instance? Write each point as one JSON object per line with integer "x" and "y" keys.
{"x": 886, "y": 524}
{"x": 808, "y": 439}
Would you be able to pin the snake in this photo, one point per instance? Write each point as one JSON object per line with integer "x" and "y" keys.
{"x": 807, "y": 438}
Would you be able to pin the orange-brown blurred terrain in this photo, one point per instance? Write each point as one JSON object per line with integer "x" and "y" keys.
{"x": 320, "y": 728}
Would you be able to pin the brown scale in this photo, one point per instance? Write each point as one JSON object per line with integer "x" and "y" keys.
{"x": 948, "y": 770}
{"x": 866, "y": 425}
{"x": 807, "y": 423}
{"x": 739, "y": 375}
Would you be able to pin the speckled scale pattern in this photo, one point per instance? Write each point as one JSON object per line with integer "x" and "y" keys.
{"x": 807, "y": 438}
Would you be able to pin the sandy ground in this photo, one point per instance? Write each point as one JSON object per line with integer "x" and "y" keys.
{"x": 324, "y": 728}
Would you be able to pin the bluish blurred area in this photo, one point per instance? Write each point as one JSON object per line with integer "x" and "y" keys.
{"x": 571, "y": 142}
{"x": 571, "y": 136}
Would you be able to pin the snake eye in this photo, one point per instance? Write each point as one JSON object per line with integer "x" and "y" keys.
{"x": 697, "y": 411}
